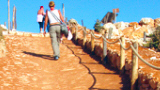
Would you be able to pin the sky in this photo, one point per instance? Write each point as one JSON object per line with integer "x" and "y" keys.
{"x": 87, "y": 10}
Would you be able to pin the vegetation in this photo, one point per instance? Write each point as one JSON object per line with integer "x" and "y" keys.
{"x": 155, "y": 40}
{"x": 97, "y": 26}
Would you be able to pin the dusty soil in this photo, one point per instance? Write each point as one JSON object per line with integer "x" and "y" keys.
{"x": 29, "y": 65}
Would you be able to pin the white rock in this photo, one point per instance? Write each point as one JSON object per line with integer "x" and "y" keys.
{"x": 153, "y": 58}
{"x": 121, "y": 25}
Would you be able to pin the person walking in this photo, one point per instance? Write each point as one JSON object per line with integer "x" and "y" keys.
{"x": 40, "y": 16}
{"x": 54, "y": 30}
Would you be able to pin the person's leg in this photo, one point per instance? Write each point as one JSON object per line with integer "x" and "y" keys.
{"x": 55, "y": 39}
{"x": 41, "y": 26}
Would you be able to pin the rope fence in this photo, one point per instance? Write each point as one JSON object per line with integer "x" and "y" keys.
{"x": 121, "y": 40}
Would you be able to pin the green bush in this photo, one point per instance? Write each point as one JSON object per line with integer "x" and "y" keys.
{"x": 97, "y": 26}
{"x": 155, "y": 40}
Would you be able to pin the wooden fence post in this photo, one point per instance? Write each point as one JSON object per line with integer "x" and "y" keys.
{"x": 84, "y": 37}
{"x": 144, "y": 36}
{"x": 72, "y": 28}
{"x": 104, "y": 58}
{"x": 122, "y": 62}
{"x": 1, "y": 35}
{"x": 76, "y": 32}
{"x": 92, "y": 41}
{"x": 110, "y": 33}
{"x": 4, "y": 23}
{"x": 134, "y": 79}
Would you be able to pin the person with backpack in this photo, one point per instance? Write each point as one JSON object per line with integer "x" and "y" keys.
{"x": 54, "y": 30}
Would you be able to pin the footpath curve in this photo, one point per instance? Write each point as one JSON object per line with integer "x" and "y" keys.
{"x": 29, "y": 65}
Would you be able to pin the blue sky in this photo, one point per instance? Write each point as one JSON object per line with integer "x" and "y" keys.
{"x": 87, "y": 10}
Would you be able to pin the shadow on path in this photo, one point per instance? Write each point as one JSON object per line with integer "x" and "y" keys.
{"x": 125, "y": 80}
{"x": 49, "y": 57}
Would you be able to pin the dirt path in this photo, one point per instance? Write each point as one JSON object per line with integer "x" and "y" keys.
{"x": 29, "y": 65}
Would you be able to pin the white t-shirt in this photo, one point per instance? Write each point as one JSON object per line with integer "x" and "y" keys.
{"x": 52, "y": 19}
{"x": 39, "y": 18}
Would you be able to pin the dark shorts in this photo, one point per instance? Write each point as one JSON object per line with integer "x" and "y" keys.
{"x": 40, "y": 24}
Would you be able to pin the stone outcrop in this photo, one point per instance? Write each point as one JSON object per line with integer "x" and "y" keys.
{"x": 147, "y": 21}
{"x": 3, "y": 49}
{"x": 157, "y": 22}
{"x": 121, "y": 25}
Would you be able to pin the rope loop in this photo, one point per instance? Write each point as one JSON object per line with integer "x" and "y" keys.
{"x": 123, "y": 46}
{"x": 110, "y": 42}
{"x": 95, "y": 37}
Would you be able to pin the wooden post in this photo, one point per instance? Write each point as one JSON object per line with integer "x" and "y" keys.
{"x": 66, "y": 20}
{"x": 134, "y": 78}
{"x": 72, "y": 28}
{"x": 144, "y": 36}
{"x": 8, "y": 16}
{"x": 82, "y": 22}
{"x": 104, "y": 58}
{"x": 4, "y": 23}
{"x": 13, "y": 19}
{"x": 1, "y": 35}
{"x": 110, "y": 33}
{"x": 76, "y": 33}
{"x": 115, "y": 16}
{"x": 122, "y": 62}
{"x": 84, "y": 37}
{"x": 10, "y": 25}
{"x": 92, "y": 41}
{"x": 63, "y": 11}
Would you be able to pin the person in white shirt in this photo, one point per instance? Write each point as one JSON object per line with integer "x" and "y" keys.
{"x": 40, "y": 16}
{"x": 54, "y": 30}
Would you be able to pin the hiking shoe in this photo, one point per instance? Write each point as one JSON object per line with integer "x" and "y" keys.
{"x": 56, "y": 58}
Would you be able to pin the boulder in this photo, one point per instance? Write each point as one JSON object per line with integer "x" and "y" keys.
{"x": 73, "y": 21}
{"x": 107, "y": 26}
{"x": 121, "y": 25}
{"x": 147, "y": 21}
{"x": 157, "y": 22}
{"x": 139, "y": 33}
{"x": 127, "y": 32}
{"x": 134, "y": 24}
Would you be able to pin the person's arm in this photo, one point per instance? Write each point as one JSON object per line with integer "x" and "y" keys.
{"x": 43, "y": 13}
{"x": 61, "y": 17}
{"x": 46, "y": 22}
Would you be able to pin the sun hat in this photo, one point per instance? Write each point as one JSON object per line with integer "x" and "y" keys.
{"x": 51, "y": 4}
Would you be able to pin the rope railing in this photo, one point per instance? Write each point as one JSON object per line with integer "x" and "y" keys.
{"x": 130, "y": 46}
{"x": 155, "y": 67}
{"x": 123, "y": 46}
{"x": 134, "y": 48}
{"x": 86, "y": 32}
{"x": 95, "y": 37}
{"x": 110, "y": 42}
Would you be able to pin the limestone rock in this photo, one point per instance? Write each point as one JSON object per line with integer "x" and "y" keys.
{"x": 133, "y": 24}
{"x": 157, "y": 22}
{"x": 121, "y": 25}
{"x": 153, "y": 83}
{"x": 127, "y": 32}
{"x": 3, "y": 49}
{"x": 139, "y": 33}
{"x": 147, "y": 21}
{"x": 73, "y": 21}
{"x": 107, "y": 26}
